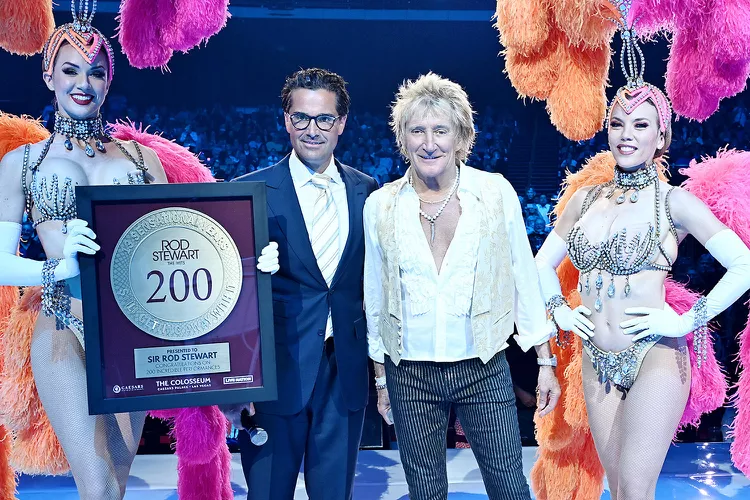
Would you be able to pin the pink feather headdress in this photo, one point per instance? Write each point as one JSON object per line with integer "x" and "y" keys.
{"x": 629, "y": 98}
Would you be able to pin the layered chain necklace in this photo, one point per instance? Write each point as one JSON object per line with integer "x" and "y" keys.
{"x": 443, "y": 203}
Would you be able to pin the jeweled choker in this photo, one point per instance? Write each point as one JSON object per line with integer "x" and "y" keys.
{"x": 635, "y": 181}
{"x": 83, "y": 130}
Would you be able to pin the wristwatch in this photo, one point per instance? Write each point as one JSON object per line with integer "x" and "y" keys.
{"x": 547, "y": 361}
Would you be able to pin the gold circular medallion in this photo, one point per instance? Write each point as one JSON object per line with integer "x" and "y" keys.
{"x": 176, "y": 273}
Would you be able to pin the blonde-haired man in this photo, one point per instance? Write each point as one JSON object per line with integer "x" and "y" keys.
{"x": 448, "y": 271}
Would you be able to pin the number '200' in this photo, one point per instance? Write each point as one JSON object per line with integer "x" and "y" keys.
{"x": 188, "y": 285}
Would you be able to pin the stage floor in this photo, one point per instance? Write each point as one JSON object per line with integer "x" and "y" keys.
{"x": 692, "y": 471}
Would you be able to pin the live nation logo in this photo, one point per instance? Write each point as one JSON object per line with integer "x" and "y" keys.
{"x": 176, "y": 273}
{"x": 243, "y": 379}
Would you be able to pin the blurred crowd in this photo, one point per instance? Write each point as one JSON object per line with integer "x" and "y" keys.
{"x": 235, "y": 140}
{"x": 232, "y": 141}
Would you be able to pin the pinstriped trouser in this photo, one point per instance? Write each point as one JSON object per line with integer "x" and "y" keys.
{"x": 422, "y": 393}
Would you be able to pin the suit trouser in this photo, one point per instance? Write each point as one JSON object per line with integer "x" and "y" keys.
{"x": 422, "y": 393}
{"x": 325, "y": 433}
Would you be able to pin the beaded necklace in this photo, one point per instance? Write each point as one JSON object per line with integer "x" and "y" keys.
{"x": 433, "y": 218}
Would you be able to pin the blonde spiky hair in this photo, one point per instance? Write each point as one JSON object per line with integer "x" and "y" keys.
{"x": 426, "y": 95}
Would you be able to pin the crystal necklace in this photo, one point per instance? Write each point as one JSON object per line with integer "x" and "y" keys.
{"x": 635, "y": 181}
{"x": 83, "y": 130}
{"x": 433, "y": 218}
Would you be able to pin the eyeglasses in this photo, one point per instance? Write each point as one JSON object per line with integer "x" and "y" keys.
{"x": 301, "y": 121}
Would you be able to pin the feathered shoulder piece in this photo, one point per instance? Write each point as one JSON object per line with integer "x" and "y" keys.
{"x": 179, "y": 163}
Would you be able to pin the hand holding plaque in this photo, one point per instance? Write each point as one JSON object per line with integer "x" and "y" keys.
{"x": 268, "y": 262}
{"x": 80, "y": 239}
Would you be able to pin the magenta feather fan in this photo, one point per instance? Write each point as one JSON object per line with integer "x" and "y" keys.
{"x": 709, "y": 56}
{"x": 151, "y": 30}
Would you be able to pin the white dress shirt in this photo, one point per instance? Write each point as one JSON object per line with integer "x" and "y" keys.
{"x": 436, "y": 307}
{"x": 307, "y": 193}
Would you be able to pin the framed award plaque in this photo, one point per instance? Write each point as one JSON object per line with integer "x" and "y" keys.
{"x": 175, "y": 312}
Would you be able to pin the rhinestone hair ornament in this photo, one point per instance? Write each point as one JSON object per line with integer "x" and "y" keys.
{"x": 636, "y": 91}
{"x": 86, "y": 39}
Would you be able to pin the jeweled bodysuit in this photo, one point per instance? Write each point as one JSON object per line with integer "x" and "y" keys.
{"x": 619, "y": 255}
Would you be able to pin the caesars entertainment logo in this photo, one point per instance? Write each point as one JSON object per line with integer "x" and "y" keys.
{"x": 176, "y": 273}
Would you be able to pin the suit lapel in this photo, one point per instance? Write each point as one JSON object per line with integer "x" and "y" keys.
{"x": 355, "y": 199}
{"x": 283, "y": 202}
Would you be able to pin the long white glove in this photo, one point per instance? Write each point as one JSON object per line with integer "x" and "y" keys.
{"x": 731, "y": 253}
{"x": 268, "y": 262}
{"x": 18, "y": 271}
{"x": 550, "y": 256}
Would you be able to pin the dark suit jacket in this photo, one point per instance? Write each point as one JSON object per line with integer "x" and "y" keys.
{"x": 301, "y": 297}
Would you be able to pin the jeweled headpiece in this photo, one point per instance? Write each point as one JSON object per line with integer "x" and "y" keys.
{"x": 86, "y": 39}
{"x": 636, "y": 91}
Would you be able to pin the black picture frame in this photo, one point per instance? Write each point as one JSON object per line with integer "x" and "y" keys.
{"x": 123, "y": 199}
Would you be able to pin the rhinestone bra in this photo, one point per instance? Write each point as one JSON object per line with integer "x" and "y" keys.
{"x": 55, "y": 199}
{"x": 619, "y": 255}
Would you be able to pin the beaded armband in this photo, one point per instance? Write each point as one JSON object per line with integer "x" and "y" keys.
{"x": 56, "y": 302}
{"x": 50, "y": 289}
{"x": 563, "y": 336}
{"x": 380, "y": 383}
{"x": 701, "y": 336}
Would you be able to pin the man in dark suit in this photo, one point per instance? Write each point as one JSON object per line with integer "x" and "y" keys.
{"x": 315, "y": 215}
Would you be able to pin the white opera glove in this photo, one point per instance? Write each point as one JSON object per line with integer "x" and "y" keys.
{"x": 268, "y": 262}
{"x": 547, "y": 259}
{"x": 80, "y": 239}
{"x": 574, "y": 320}
{"x": 650, "y": 321}
{"x": 729, "y": 250}
{"x": 19, "y": 271}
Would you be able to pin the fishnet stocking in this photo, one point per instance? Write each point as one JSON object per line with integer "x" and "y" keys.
{"x": 632, "y": 435}
{"x": 99, "y": 448}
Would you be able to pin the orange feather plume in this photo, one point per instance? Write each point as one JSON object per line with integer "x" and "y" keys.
{"x": 577, "y": 104}
{"x": 524, "y": 25}
{"x": 25, "y": 25}
{"x": 535, "y": 75}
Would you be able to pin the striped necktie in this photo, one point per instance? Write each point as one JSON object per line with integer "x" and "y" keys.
{"x": 325, "y": 228}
